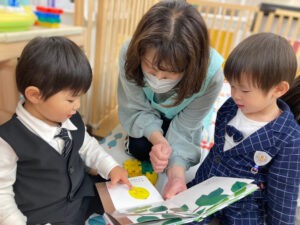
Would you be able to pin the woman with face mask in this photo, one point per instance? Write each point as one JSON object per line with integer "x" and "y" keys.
{"x": 169, "y": 79}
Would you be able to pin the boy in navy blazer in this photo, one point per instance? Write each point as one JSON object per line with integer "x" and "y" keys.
{"x": 256, "y": 134}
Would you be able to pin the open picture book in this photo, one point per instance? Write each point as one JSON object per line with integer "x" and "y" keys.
{"x": 144, "y": 204}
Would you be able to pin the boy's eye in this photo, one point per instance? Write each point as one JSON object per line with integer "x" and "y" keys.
{"x": 71, "y": 101}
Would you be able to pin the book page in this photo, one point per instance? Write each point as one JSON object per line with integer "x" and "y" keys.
{"x": 196, "y": 202}
{"x": 143, "y": 193}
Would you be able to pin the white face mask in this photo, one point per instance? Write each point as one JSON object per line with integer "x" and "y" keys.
{"x": 160, "y": 86}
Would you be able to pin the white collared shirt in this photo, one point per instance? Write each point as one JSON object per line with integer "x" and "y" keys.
{"x": 91, "y": 152}
{"x": 245, "y": 125}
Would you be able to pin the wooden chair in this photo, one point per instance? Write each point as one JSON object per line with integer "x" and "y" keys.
{"x": 228, "y": 24}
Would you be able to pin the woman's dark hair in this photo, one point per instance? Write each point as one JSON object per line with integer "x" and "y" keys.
{"x": 292, "y": 98}
{"x": 265, "y": 58}
{"x": 177, "y": 32}
{"x": 53, "y": 64}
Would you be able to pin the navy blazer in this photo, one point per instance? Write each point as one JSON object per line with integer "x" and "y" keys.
{"x": 279, "y": 179}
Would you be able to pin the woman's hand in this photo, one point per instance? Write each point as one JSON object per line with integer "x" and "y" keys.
{"x": 119, "y": 175}
{"x": 160, "y": 151}
{"x": 176, "y": 182}
{"x": 159, "y": 156}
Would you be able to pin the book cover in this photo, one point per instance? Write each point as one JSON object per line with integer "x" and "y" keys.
{"x": 144, "y": 204}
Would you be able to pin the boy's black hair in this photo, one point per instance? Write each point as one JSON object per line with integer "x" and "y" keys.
{"x": 265, "y": 59}
{"x": 292, "y": 98}
{"x": 53, "y": 64}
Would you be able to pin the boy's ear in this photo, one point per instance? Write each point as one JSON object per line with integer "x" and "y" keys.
{"x": 33, "y": 94}
{"x": 281, "y": 89}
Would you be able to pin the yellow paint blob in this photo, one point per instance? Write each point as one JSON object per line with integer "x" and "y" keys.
{"x": 139, "y": 192}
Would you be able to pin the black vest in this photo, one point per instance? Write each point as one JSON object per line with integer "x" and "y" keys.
{"x": 46, "y": 183}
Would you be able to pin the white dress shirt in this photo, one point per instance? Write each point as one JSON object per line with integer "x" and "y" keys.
{"x": 91, "y": 152}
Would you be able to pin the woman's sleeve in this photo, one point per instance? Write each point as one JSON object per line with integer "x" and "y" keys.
{"x": 136, "y": 115}
{"x": 184, "y": 133}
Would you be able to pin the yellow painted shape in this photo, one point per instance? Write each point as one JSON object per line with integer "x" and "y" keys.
{"x": 139, "y": 192}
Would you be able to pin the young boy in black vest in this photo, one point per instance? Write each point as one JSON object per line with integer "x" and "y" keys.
{"x": 45, "y": 148}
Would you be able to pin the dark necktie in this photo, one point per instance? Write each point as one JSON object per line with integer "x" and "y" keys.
{"x": 234, "y": 133}
{"x": 67, "y": 140}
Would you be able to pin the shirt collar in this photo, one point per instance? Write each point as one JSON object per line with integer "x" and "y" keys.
{"x": 39, "y": 127}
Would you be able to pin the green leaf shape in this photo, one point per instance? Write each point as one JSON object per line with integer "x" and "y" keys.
{"x": 147, "y": 218}
{"x": 238, "y": 188}
{"x": 211, "y": 199}
{"x": 182, "y": 208}
{"x": 159, "y": 209}
{"x": 174, "y": 220}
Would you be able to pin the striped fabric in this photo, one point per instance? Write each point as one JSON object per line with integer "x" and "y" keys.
{"x": 67, "y": 140}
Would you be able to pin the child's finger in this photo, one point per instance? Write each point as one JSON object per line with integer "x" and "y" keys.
{"x": 127, "y": 182}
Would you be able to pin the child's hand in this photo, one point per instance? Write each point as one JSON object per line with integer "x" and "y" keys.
{"x": 119, "y": 175}
{"x": 159, "y": 156}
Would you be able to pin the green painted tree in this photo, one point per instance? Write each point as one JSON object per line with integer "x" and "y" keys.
{"x": 211, "y": 199}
